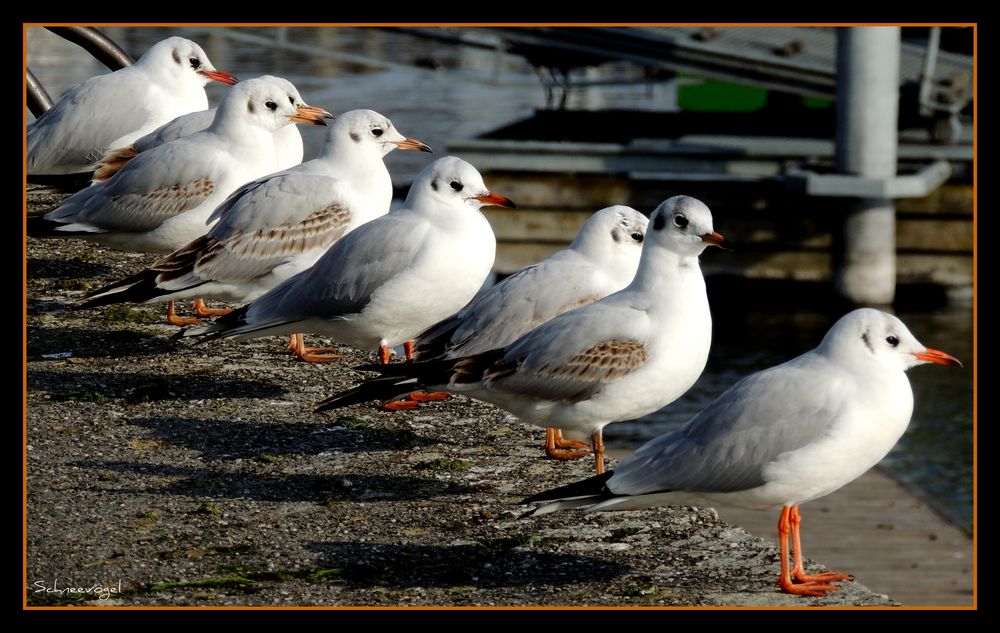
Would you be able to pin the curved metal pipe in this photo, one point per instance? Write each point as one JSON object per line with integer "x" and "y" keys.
{"x": 39, "y": 100}
{"x": 96, "y": 43}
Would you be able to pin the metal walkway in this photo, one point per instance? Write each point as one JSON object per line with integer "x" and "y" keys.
{"x": 801, "y": 60}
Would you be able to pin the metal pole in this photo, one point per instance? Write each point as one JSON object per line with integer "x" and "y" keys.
{"x": 39, "y": 100}
{"x": 867, "y": 111}
{"x": 102, "y": 47}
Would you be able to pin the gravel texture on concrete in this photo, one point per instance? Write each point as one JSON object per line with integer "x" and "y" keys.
{"x": 198, "y": 475}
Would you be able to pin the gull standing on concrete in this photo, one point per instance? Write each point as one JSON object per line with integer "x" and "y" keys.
{"x": 278, "y": 225}
{"x": 602, "y": 259}
{"x": 287, "y": 143}
{"x": 620, "y": 358}
{"x": 112, "y": 110}
{"x": 778, "y": 438}
{"x": 161, "y": 199}
{"x": 391, "y": 278}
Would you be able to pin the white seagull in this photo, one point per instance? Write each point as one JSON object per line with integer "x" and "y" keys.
{"x": 162, "y": 198}
{"x": 112, "y": 110}
{"x": 391, "y": 278}
{"x": 279, "y": 225}
{"x": 778, "y": 438}
{"x": 599, "y": 363}
{"x": 602, "y": 259}
{"x": 287, "y": 143}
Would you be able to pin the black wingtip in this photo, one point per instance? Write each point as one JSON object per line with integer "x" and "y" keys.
{"x": 384, "y": 388}
{"x": 590, "y": 487}
{"x": 38, "y": 226}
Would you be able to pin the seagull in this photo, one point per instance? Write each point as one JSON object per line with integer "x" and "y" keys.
{"x": 278, "y": 225}
{"x": 596, "y": 364}
{"x": 778, "y": 438}
{"x": 112, "y": 110}
{"x": 161, "y": 199}
{"x": 287, "y": 143}
{"x": 602, "y": 259}
{"x": 391, "y": 278}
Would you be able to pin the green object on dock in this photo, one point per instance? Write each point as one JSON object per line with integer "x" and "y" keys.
{"x": 712, "y": 95}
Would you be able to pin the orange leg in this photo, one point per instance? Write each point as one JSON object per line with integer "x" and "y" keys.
{"x": 203, "y": 310}
{"x": 798, "y": 571}
{"x": 562, "y": 442}
{"x": 173, "y": 319}
{"x": 556, "y": 450}
{"x": 785, "y": 579}
{"x": 598, "y": 440}
{"x": 414, "y": 398}
{"x": 297, "y": 343}
{"x": 400, "y": 405}
{"x": 428, "y": 396}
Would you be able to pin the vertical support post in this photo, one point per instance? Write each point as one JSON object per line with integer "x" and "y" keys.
{"x": 867, "y": 113}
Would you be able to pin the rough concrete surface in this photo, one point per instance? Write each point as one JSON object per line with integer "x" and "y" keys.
{"x": 198, "y": 475}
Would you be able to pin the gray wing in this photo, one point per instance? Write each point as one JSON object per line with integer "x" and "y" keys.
{"x": 269, "y": 221}
{"x": 152, "y": 188}
{"x": 69, "y": 139}
{"x": 573, "y": 356}
{"x": 524, "y": 301}
{"x": 181, "y": 126}
{"x": 342, "y": 281}
{"x": 726, "y": 447}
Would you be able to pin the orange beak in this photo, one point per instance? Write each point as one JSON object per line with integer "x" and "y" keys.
{"x": 494, "y": 199}
{"x": 412, "y": 143}
{"x": 713, "y": 238}
{"x": 310, "y": 115}
{"x": 220, "y": 76}
{"x": 939, "y": 357}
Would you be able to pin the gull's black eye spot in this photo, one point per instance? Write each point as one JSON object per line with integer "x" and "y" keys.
{"x": 291, "y": 99}
{"x": 457, "y": 186}
{"x": 637, "y": 237}
{"x": 680, "y": 221}
{"x": 195, "y": 63}
{"x": 270, "y": 105}
{"x": 892, "y": 341}
{"x": 377, "y": 131}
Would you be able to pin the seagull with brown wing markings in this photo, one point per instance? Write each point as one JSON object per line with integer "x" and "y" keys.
{"x": 278, "y": 225}
{"x": 602, "y": 259}
{"x": 162, "y": 198}
{"x": 287, "y": 143}
{"x": 619, "y": 358}
{"x": 391, "y": 278}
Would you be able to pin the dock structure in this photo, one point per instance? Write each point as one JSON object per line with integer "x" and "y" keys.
{"x": 771, "y": 175}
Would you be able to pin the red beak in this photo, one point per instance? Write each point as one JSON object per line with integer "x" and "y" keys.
{"x": 220, "y": 76}
{"x": 494, "y": 199}
{"x": 939, "y": 357}
{"x": 713, "y": 238}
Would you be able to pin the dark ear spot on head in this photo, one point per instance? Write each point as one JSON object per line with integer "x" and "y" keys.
{"x": 868, "y": 343}
{"x": 616, "y": 234}
{"x": 659, "y": 222}
{"x": 355, "y": 137}
{"x": 176, "y": 56}
{"x": 434, "y": 185}
{"x": 250, "y": 107}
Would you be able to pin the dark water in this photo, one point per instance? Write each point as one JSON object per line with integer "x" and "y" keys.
{"x": 476, "y": 90}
